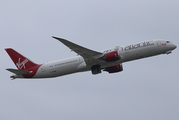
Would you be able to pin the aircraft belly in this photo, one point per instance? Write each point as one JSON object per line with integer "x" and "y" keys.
{"x": 67, "y": 69}
{"x": 56, "y": 70}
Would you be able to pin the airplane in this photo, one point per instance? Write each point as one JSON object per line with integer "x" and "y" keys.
{"x": 109, "y": 60}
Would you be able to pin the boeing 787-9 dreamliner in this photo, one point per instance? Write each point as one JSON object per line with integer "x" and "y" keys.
{"x": 87, "y": 60}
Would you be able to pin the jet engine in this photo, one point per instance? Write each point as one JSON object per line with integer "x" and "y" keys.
{"x": 95, "y": 69}
{"x": 111, "y": 56}
{"x": 114, "y": 69}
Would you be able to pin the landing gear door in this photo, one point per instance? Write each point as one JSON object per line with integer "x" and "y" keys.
{"x": 43, "y": 68}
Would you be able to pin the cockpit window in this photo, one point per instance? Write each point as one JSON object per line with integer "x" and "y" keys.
{"x": 168, "y": 42}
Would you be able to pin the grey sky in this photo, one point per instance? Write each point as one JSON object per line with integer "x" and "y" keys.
{"x": 146, "y": 89}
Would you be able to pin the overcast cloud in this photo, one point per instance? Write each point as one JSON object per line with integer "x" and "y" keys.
{"x": 147, "y": 89}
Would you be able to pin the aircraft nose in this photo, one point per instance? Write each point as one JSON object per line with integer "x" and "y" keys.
{"x": 174, "y": 46}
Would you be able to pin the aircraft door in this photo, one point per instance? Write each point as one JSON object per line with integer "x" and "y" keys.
{"x": 43, "y": 68}
{"x": 158, "y": 44}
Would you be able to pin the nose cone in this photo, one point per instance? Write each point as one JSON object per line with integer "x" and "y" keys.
{"x": 174, "y": 46}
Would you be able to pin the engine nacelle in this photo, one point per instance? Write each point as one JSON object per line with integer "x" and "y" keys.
{"x": 111, "y": 56}
{"x": 114, "y": 69}
{"x": 95, "y": 69}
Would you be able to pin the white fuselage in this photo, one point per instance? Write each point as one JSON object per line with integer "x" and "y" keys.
{"x": 127, "y": 53}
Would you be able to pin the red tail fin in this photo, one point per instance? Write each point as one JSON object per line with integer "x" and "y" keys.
{"x": 21, "y": 62}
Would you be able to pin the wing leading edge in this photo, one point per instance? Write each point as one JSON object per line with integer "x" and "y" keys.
{"x": 90, "y": 56}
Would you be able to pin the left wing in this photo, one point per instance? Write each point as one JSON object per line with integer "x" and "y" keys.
{"x": 90, "y": 56}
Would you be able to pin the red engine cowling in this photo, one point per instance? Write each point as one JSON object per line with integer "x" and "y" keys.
{"x": 112, "y": 56}
{"x": 114, "y": 69}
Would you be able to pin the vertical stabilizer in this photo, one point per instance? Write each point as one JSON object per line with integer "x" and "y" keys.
{"x": 21, "y": 62}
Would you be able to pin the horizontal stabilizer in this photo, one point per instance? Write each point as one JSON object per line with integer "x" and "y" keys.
{"x": 18, "y": 72}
